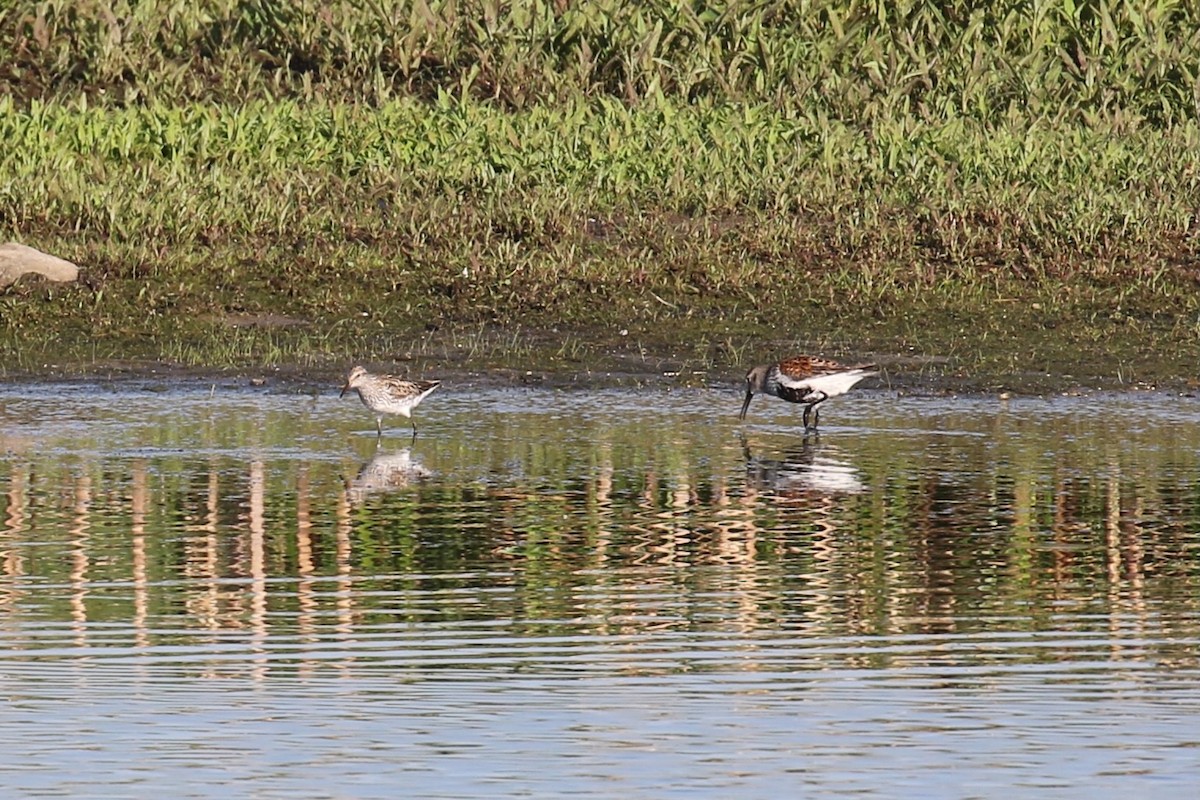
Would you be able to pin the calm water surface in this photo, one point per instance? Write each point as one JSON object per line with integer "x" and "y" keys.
{"x": 223, "y": 591}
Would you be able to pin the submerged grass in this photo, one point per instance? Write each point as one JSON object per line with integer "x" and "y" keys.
{"x": 249, "y": 183}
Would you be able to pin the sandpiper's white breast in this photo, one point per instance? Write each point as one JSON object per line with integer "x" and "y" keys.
{"x": 834, "y": 383}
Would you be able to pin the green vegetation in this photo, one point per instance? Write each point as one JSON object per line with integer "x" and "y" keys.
{"x": 1013, "y": 188}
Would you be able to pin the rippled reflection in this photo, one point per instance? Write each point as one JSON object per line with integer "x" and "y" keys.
{"x": 939, "y": 543}
{"x": 805, "y": 470}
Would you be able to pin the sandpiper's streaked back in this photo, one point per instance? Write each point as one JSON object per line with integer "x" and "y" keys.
{"x": 804, "y": 379}
{"x": 387, "y": 394}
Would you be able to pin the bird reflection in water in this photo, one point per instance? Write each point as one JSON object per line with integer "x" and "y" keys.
{"x": 804, "y": 468}
{"x": 386, "y": 472}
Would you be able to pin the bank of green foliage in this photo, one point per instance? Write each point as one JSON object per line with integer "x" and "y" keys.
{"x": 836, "y": 59}
{"x": 963, "y": 191}
{"x": 486, "y": 160}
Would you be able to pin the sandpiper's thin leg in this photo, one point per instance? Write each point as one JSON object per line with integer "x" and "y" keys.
{"x": 378, "y": 427}
{"x": 807, "y": 409}
{"x": 414, "y": 424}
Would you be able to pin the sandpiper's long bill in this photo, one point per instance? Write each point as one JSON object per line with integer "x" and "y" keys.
{"x": 387, "y": 394}
{"x": 803, "y": 379}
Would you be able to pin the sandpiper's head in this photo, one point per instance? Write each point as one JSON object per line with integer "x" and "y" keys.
{"x": 353, "y": 380}
{"x": 756, "y": 378}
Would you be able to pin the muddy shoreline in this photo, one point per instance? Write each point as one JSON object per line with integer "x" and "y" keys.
{"x": 662, "y": 370}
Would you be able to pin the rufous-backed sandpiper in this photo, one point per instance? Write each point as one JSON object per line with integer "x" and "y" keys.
{"x": 803, "y": 379}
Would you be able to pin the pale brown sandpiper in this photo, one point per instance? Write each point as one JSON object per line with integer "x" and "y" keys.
{"x": 387, "y": 394}
{"x": 803, "y": 379}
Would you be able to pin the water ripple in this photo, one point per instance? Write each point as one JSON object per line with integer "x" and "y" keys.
{"x": 617, "y": 592}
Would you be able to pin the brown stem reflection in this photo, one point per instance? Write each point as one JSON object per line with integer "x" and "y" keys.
{"x": 345, "y": 572}
{"x": 1123, "y": 558}
{"x": 258, "y": 568}
{"x": 13, "y": 531}
{"x": 307, "y": 618}
{"x": 80, "y": 559}
{"x": 141, "y": 595}
{"x": 201, "y": 557}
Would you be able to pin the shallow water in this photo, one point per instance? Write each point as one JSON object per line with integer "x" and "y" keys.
{"x": 219, "y": 589}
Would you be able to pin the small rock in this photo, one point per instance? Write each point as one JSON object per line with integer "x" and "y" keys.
{"x": 18, "y": 259}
